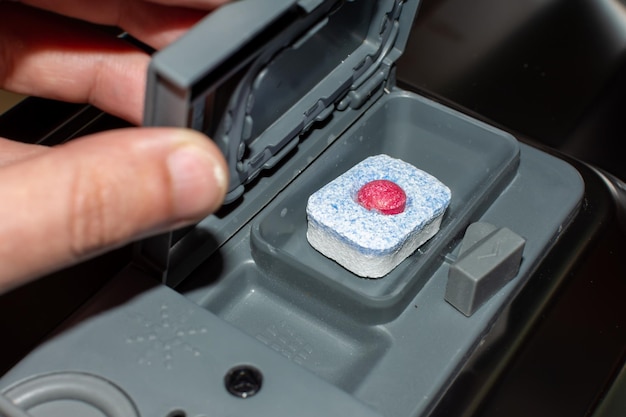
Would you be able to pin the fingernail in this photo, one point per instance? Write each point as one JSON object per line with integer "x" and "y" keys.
{"x": 198, "y": 181}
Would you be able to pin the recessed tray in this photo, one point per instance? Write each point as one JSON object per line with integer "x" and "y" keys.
{"x": 474, "y": 160}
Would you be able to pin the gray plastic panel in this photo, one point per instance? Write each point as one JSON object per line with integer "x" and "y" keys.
{"x": 170, "y": 358}
{"x": 399, "y": 365}
{"x": 168, "y": 354}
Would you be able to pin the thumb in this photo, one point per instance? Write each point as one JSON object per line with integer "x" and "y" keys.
{"x": 79, "y": 199}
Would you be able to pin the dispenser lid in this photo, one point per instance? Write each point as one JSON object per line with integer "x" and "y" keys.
{"x": 256, "y": 74}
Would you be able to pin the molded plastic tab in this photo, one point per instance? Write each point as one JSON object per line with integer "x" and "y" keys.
{"x": 489, "y": 257}
{"x": 257, "y": 74}
{"x": 70, "y": 394}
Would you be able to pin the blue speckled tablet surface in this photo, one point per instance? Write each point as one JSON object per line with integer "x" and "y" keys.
{"x": 334, "y": 209}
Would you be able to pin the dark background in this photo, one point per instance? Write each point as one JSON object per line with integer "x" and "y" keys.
{"x": 551, "y": 71}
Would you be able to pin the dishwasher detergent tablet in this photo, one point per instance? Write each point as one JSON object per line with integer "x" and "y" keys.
{"x": 376, "y": 214}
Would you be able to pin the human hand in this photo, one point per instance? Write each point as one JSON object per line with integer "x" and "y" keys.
{"x": 61, "y": 205}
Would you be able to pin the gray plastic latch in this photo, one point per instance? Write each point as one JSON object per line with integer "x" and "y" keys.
{"x": 489, "y": 257}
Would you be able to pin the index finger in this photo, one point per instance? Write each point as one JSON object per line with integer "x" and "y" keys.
{"x": 45, "y": 55}
{"x": 155, "y": 22}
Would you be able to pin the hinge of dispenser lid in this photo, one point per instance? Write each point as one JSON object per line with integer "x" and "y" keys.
{"x": 376, "y": 69}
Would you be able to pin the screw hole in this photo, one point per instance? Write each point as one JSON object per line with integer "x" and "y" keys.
{"x": 177, "y": 413}
{"x": 243, "y": 381}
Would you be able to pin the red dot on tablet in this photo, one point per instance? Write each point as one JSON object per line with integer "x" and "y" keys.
{"x": 384, "y": 196}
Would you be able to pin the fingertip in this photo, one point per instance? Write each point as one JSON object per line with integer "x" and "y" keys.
{"x": 198, "y": 175}
{"x": 104, "y": 191}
